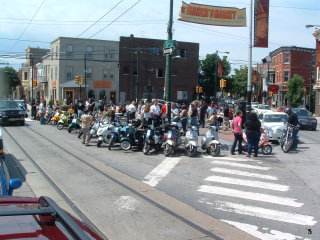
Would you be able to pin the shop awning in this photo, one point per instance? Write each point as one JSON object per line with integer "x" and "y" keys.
{"x": 70, "y": 83}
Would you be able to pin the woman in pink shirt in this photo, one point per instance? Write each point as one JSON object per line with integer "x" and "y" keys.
{"x": 237, "y": 131}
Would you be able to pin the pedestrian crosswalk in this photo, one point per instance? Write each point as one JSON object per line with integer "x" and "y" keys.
{"x": 245, "y": 189}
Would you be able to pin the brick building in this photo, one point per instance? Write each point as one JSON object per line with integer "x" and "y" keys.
{"x": 142, "y": 64}
{"x": 287, "y": 61}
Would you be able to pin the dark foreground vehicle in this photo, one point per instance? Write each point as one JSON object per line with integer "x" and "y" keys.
{"x": 33, "y": 218}
{"x": 10, "y": 112}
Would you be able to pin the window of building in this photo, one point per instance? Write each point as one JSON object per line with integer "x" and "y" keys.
{"x": 287, "y": 57}
{"x": 111, "y": 74}
{"x": 312, "y": 77}
{"x": 313, "y": 61}
{"x": 182, "y": 52}
{"x": 69, "y": 73}
{"x": 57, "y": 51}
{"x": 182, "y": 95}
{"x": 105, "y": 74}
{"x": 52, "y": 50}
{"x": 102, "y": 94}
{"x": 318, "y": 70}
{"x": 25, "y": 76}
{"x": 51, "y": 74}
{"x": 56, "y": 73}
{"x": 154, "y": 51}
{"x": 69, "y": 50}
{"x": 89, "y": 73}
{"x": 286, "y": 76}
{"x": 125, "y": 70}
{"x": 111, "y": 53}
{"x": 159, "y": 73}
{"x": 89, "y": 52}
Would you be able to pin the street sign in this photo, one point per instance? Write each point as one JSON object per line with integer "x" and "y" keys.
{"x": 170, "y": 44}
{"x": 168, "y": 51}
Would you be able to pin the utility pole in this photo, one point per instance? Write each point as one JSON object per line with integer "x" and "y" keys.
{"x": 249, "y": 80}
{"x": 169, "y": 66}
{"x": 85, "y": 77}
{"x": 31, "y": 61}
{"x": 137, "y": 80}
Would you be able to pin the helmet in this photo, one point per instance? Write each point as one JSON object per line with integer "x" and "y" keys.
{"x": 136, "y": 122}
{"x": 288, "y": 111}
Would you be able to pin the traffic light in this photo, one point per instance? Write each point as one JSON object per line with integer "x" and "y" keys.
{"x": 223, "y": 83}
{"x": 35, "y": 83}
{"x": 200, "y": 89}
{"x": 82, "y": 80}
{"x": 197, "y": 89}
{"x": 77, "y": 79}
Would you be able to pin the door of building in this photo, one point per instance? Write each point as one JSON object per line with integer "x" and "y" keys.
{"x": 69, "y": 97}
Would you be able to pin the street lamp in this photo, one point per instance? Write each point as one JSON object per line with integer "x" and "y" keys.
{"x": 310, "y": 26}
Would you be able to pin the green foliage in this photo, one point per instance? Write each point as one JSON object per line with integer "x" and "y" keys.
{"x": 13, "y": 78}
{"x": 295, "y": 91}
{"x": 209, "y": 73}
{"x": 51, "y": 102}
{"x": 239, "y": 85}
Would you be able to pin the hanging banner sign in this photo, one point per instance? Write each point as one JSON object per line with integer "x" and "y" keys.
{"x": 261, "y": 23}
{"x": 212, "y": 15}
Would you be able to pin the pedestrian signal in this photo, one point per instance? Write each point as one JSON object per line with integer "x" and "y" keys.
{"x": 82, "y": 80}
{"x": 200, "y": 89}
{"x": 223, "y": 83}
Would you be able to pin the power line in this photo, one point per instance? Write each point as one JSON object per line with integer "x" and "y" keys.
{"x": 100, "y": 18}
{"x": 28, "y": 24}
{"x": 116, "y": 18}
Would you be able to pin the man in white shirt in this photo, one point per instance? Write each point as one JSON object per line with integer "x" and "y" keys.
{"x": 132, "y": 110}
{"x": 155, "y": 109}
{"x": 174, "y": 111}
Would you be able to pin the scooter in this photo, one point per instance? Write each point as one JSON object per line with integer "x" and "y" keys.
{"x": 75, "y": 124}
{"x": 104, "y": 132}
{"x": 264, "y": 143}
{"x": 210, "y": 142}
{"x": 191, "y": 141}
{"x": 132, "y": 136}
{"x": 116, "y": 134}
{"x": 64, "y": 120}
{"x": 152, "y": 139}
{"x": 172, "y": 138}
{"x": 54, "y": 120}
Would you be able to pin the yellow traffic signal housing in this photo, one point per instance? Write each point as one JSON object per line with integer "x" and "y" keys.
{"x": 197, "y": 89}
{"x": 223, "y": 83}
{"x": 200, "y": 89}
{"x": 77, "y": 79}
{"x": 35, "y": 83}
{"x": 82, "y": 80}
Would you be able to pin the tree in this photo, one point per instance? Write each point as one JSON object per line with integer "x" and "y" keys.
{"x": 239, "y": 86}
{"x": 13, "y": 78}
{"x": 209, "y": 74}
{"x": 295, "y": 91}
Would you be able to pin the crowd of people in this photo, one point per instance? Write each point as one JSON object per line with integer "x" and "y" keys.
{"x": 224, "y": 116}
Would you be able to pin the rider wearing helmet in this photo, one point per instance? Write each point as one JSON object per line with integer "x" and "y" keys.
{"x": 293, "y": 120}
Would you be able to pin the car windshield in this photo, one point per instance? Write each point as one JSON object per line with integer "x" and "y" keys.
{"x": 276, "y": 118}
{"x": 263, "y": 107}
{"x": 8, "y": 104}
{"x": 301, "y": 112}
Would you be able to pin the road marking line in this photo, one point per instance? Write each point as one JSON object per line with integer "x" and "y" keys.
{"x": 261, "y": 212}
{"x": 233, "y": 159}
{"x": 239, "y": 165}
{"x": 127, "y": 202}
{"x": 249, "y": 195}
{"x": 243, "y": 173}
{"x": 272, "y": 235}
{"x": 249, "y": 183}
{"x": 162, "y": 170}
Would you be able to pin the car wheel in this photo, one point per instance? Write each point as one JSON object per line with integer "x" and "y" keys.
{"x": 22, "y": 123}
{"x": 314, "y": 128}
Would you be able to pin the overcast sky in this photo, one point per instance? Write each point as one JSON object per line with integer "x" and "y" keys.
{"x": 36, "y": 23}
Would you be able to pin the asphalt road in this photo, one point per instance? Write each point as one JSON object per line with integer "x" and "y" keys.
{"x": 270, "y": 197}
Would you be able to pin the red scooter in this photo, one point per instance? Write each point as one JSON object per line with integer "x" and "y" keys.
{"x": 264, "y": 143}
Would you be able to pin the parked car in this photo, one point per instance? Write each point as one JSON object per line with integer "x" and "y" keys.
{"x": 261, "y": 108}
{"x": 274, "y": 122}
{"x": 306, "y": 121}
{"x": 11, "y": 112}
{"x": 40, "y": 218}
{"x": 7, "y": 185}
{"x": 283, "y": 108}
{"x": 254, "y": 104}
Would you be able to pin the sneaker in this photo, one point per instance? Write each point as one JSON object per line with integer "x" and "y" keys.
{"x": 255, "y": 155}
{"x": 248, "y": 155}
{"x": 82, "y": 142}
{"x": 233, "y": 154}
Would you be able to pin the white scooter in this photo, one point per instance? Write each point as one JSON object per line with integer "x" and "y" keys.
{"x": 191, "y": 141}
{"x": 210, "y": 142}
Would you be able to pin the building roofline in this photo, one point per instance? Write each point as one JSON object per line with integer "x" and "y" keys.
{"x": 156, "y": 39}
{"x": 86, "y": 39}
{"x": 291, "y": 48}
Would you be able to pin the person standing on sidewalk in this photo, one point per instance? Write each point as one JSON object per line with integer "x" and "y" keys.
{"x": 237, "y": 132}
{"x": 253, "y": 133}
{"x": 42, "y": 112}
{"x": 226, "y": 118}
{"x": 86, "y": 119}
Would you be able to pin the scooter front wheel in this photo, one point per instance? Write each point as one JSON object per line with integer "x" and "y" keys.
{"x": 125, "y": 145}
{"x": 215, "y": 150}
{"x": 168, "y": 149}
{"x": 60, "y": 126}
{"x": 266, "y": 150}
{"x": 191, "y": 151}
{"x": 70, "y": 130}
{"x": 99, "y": 143}
{"x": 146, "y": 148}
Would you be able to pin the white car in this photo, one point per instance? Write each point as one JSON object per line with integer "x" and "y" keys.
{"x": 262, "y": 109}
{"x": 274, "y": 122}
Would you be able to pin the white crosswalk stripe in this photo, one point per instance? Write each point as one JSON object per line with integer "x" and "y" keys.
{"x": 243, "y": 173}
{"x": 232, "y": 159}
{"x": 241, "y": 165}
{"x": 250, "y": 183}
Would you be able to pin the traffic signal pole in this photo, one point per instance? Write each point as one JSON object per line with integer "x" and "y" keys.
{"x": 169, "y": 66}
{"x": 249, "y": 80}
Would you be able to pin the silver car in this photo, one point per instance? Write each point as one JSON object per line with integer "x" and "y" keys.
{"x": 274, "y": 122}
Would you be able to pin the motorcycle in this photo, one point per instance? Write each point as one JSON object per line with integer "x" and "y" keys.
{"x": 104, "y": 132}
{"x": 264, "y": 143}
{"x": 172, "y": 138}
{"x": 132, "y": 136}
{"x": 64, "y": 120}
{"x": 75, "y": 124}
{"x": 286, "y": 141}
{"x": 152, "y": 139}
{"x": 191, "y": 141}
{"x": 116, "y": 134}
{"x": 210, "y": 142}
{"x": 54, "y": 120}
